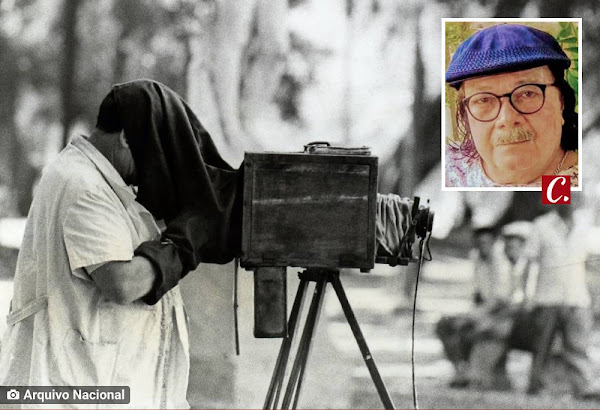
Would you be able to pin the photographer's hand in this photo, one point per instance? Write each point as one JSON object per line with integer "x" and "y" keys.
{"x": 190, "y": 238}
{"x": 166, "y": 264}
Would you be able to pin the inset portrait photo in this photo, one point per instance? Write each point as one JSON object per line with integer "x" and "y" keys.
{"x": 511, "y": 107}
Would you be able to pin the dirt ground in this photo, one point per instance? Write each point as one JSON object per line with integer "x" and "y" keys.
{"x": 337, "y": 377}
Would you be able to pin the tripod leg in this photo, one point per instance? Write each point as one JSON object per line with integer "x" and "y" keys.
{"x": 284, "y": 352}
{"x": 295, "y": 380}
{"x": 304, "y": 358}
{"x": 362, "y": 344}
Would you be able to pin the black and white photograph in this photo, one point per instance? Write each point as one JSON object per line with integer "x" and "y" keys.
{"x": 223, "y": 204}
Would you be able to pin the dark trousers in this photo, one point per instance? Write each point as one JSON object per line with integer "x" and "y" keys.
{"x": 574, "y": 325}
{"x": 456, "y": 335}
{"x": 476, "y": 342}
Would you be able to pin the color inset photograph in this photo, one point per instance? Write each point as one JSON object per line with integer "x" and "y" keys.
{"x": 511, "y": 110}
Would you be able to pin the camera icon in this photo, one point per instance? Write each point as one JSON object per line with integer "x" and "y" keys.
{"x": 13, "y": 394}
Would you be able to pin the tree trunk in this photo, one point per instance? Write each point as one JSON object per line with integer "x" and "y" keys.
{"x": 411, "y": 156}
{"x": 68, "y": 77}
{"x": 510, "y": 8}
{"x": 562, "y": 8}
{"x": 409, "y": 161}
{"x": 15, "y": 172}
{"x": 224, "y": 65}
{"x": 266, "y": 57}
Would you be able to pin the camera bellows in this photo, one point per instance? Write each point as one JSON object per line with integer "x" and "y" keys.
{"x": 393, "y": 220}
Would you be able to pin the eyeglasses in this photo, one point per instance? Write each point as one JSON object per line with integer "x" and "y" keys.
{"x": 526, "y": 99}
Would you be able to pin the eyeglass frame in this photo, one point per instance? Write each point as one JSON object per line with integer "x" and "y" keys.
{"x": 465, "y": 101}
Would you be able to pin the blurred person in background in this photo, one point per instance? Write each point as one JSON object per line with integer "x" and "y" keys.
{"x": 96, "y": 300}
{"x": 561, "y": 300}
{"x": 515, "y": 236}
{"x": 458, "y": 334}
{"x": 490, "y": 280}
{"x": 515, "y": 111}
{"x": 508, "y": 323}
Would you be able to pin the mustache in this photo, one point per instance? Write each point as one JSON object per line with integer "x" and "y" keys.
{"x": 512, "y": 136}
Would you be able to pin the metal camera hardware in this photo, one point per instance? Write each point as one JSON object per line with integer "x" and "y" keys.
{"x": 420, "y": 227}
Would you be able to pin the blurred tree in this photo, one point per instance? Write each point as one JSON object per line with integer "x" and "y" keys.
{"x": 268, "y": 47}
{"x": 123, "y": 40}
{"x": 59, "y": 60}
{"x": 510, "y": 8}
{"x": 418, "y": 151}
{"x": 238, "y": 54}
{"x": 69, "y": 65}
{"x": 238, "y": 58}
{"x": 132, "y": 16}
{"x": 152, "y": 40}
{"x": 412, "y": 154}
{"x": 10, "y": 149}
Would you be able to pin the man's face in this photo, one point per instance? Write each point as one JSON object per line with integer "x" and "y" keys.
{"x": 513, "y": 246}
{"x": 517, "y": 148}
{"x": 484, "y": 242}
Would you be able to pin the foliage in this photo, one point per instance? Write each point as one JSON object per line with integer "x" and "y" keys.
{"x": 568, "y": 40}
{"x": 142, "y": 35}
{"x": 456, "y": 33}
{"x": 111, "y": 41}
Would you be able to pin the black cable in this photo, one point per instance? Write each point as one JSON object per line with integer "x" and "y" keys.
{"x": 422, "y": 244}
{"x": 235, "y": 306}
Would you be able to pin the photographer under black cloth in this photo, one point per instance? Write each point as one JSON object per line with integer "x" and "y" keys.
{"x": 181, "y": 179}
{"x": 95, "y": 298}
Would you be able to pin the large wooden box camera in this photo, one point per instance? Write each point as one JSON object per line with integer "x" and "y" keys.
{"x": 309, "y": 210}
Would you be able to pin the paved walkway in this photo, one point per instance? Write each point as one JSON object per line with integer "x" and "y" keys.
{"x": 336, "y": 375}
{"x": 445, "y": 288}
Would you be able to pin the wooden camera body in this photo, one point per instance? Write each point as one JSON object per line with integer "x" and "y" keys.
{"x": 309, "y": 210}
{"x": 304, "y": 210}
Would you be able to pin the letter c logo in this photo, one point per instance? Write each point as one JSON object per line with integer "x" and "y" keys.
{"x": 550, "y": 190}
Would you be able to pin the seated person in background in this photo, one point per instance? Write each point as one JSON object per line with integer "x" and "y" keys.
{"x": 491, "y": 289}
{"x": 507, "y": 325}
{"x": 515, "y": 111}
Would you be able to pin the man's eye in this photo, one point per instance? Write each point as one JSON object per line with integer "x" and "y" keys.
{"x": 528, "y": 94}
{"x": 482, "y": 100}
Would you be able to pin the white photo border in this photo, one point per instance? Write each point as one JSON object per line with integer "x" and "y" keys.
{"x": 577, "y": 20}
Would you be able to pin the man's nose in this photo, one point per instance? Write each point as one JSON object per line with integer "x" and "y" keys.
{"x": 508, "y": 115}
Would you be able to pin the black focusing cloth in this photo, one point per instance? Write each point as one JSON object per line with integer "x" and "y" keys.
{"x": 108, "y": 119}
{"x": 181, "y": 175}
